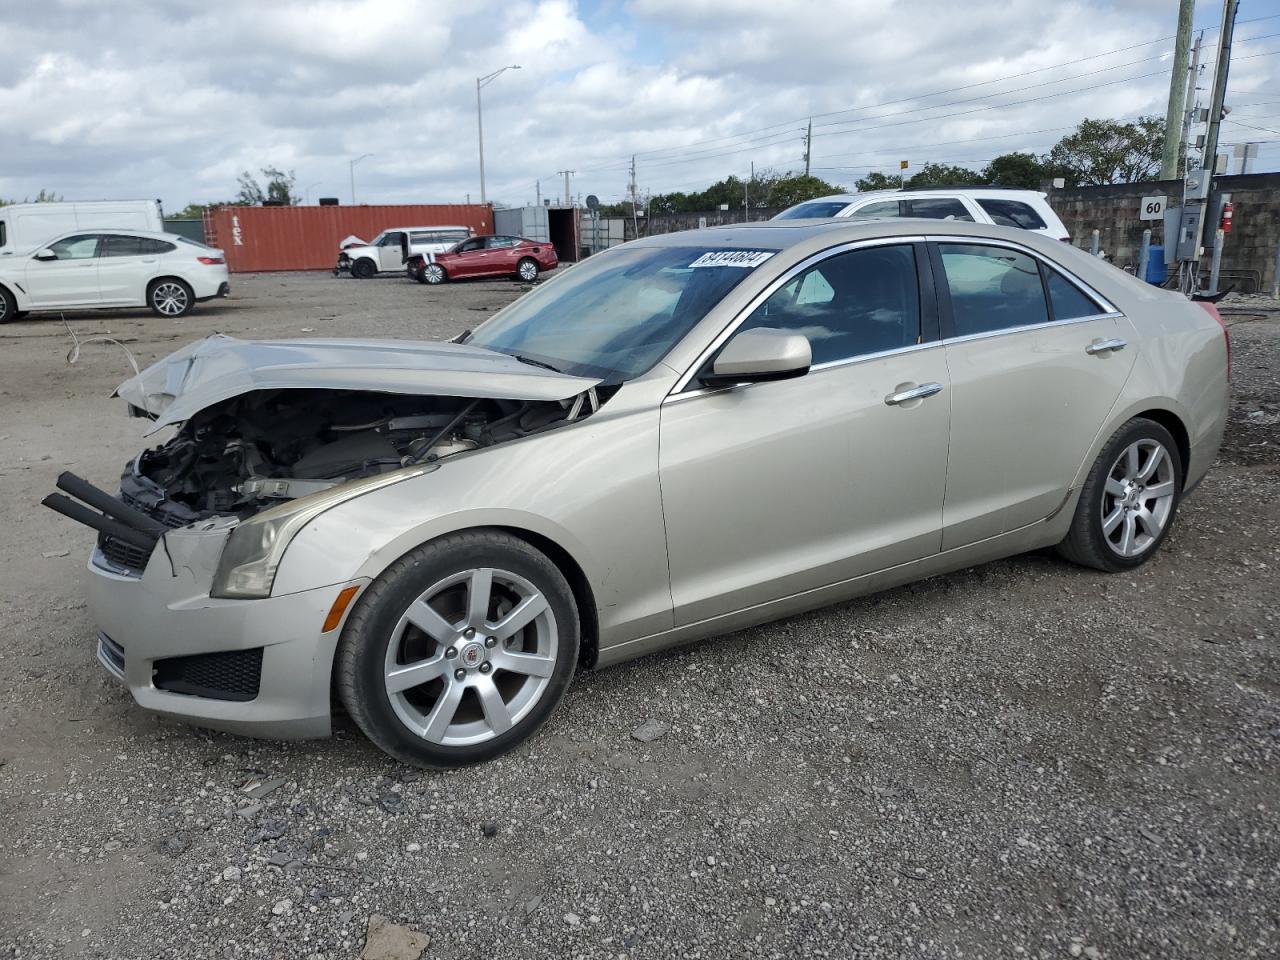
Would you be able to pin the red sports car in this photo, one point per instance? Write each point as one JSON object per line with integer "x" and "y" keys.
{"x": 485, "y": 257}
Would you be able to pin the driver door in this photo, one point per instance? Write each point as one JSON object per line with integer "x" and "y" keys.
{"x": 71, "y": 278}
{"x": 776, "y": 488}
{"x": 468, "y": 259}
{"x": 391, "y": 250}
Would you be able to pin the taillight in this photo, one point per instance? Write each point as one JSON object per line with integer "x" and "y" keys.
{"x": 1212, "y": 310}
{"x": 210, "y": 261}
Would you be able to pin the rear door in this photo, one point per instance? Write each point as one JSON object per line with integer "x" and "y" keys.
{"x": 71, "y": 278}
{"x": 124, "y": 267}
{"x": 500, "y": 255}
{"x": 1032, "y": 382}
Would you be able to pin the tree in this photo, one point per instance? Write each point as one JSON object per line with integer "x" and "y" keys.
{"x": 1108, "y": 151}
{"x": 279, "y": 187}
{"x": 195, "y": 211}
{"x": 1022, "y": 170}
{"x": 877, "y": 181}
{"x": 44, "y": 196}
{"x": 945, "y": 175}
{"x": 769, "y": 189}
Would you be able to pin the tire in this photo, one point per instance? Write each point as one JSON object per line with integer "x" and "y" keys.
{"x": 414, "y": 271}
{"x": 433, "y": 274}
{"x": 473, "y": 699}
{"x": 527, "y": 270}
{"x": 363, "y": 269}
{"x": 170, "y": 297}
{"x": 9, "y": 307}
{"x": 1129, "y": 500}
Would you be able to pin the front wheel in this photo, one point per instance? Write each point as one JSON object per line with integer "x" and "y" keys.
{"x": 527, "y": 270}
{"x": 363, "y": 269}
{"x": 170, "y": 297}
{"x": 433, "y": 274}
{"x": 8, "y": 307}
{"x": 1129, "y": 500}
{"x": 460, "y": 650}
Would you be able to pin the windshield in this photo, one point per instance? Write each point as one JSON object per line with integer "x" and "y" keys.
{"x": 618, "y": 313}
{"x": 815, "y": 210}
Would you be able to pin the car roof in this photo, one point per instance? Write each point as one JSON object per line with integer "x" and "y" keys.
{"x": 437, "y": 226}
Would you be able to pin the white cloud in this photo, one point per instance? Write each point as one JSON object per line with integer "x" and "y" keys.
{"x": 135, "y": 98}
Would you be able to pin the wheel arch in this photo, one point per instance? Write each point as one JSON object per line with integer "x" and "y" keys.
{"x": 1163, "y": 410}
{"x": 1173, "y": 423}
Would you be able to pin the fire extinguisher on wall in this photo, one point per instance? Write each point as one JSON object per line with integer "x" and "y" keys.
{"x": 1228, "y": 212}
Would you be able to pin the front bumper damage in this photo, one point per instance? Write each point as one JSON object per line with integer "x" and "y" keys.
{"x": 254, "y": 667}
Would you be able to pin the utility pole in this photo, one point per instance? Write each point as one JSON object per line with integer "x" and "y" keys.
{"x": 568, "y": 198}
{"x": 538, "y": 187}
{"x": 1192, "y": 100}
{"x": 808, "y": 146}
{"x": 1209, "y": 160}
{"x": 631, "y": 188}
{"x": 1177, "y": 91}
{"x": 482, "y": 82}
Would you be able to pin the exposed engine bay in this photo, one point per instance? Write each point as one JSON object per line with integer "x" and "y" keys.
{"x": 258, "y": 449}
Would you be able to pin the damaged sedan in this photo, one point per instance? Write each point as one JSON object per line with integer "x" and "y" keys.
{"x": 680, "y": 437}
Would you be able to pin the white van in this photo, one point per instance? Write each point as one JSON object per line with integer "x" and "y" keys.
{"x": 26, "y": 226}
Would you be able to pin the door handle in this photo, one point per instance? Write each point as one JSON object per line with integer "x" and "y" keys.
{"x": 914, "y": 393}
{"x": 1104, "y": 346}
{"x": 148, "y": 259}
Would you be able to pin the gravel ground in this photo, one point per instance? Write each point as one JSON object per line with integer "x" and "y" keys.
{"x": 1025, "y": 759}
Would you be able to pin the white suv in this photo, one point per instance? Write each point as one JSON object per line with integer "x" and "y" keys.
{"x": 1027, "y": 209}
{"x": 392, "y": 248}
{"x": 112, "y": 268}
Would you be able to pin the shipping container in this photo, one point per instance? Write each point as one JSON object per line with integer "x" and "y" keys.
{"x": 306, "y": 238}
{"x": 558, "y": 226}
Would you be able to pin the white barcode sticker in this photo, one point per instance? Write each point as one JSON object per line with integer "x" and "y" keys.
{"x": 746, "y": 259}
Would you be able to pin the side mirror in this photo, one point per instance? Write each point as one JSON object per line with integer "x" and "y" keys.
{"x": 756, "y": 356}
{"x": 46, "y": 254}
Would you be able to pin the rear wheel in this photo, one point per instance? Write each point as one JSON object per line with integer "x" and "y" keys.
{"x": 1129, "y": 500}
{"x": 414, "y": 271}
{"x": 460, "y": 650}
{"x": 170, "y": 297}
{"x": 433, "y": 273}
{"x": 363, "y": 269}
{"x": 527, "y": 270}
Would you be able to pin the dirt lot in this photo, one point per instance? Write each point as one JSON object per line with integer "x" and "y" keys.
{"x": 1021, "y": 760}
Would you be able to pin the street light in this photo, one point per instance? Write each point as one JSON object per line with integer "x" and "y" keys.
{"x": 353, "y": 175}
{"x": 480, "y": 82}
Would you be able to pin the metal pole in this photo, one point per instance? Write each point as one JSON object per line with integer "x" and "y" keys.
{"x": 480, "y": 138}
{"x": 808, "y": 146}
{"x": 1216, "y": 263}
{"x": 1177, "y": 92}
{"x": 1144, "y": 257}
{"x": 1275, "y": 278}
{"x": 1191, "y": 100}
{"x": 1221, "y": 68}
{"x": 1095, "y": 243}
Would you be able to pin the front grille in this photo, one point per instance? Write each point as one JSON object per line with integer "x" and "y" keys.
{"x": 234, "y": 675}
{"x": 111, "y": 655}
{"x": 168, "y": 518}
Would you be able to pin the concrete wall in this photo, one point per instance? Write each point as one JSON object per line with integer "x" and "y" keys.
{"x": 1248, "y": 252}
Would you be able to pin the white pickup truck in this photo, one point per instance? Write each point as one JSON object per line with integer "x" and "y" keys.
{"x": 389, "y": 250}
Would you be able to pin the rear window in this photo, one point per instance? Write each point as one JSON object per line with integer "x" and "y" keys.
{"x": 938, "y": 208}
{"x": 815, "y": 210}
{"x": 195, "y": 243}
{"x": 1012, "y": 213}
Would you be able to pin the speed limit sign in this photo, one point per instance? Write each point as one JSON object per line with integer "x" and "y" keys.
{"x": 1152, "y": 208}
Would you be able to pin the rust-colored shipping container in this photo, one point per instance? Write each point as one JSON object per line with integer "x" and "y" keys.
{"x": 307, "y": 238}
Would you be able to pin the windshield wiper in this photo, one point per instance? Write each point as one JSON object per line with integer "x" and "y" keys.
{"x": 536, "y": 363}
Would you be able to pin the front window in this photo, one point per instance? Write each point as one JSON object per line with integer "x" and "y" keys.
{"x": 816, "y": 209}
{"x": 76, "y": 248}
{"x": 617, "y": 314}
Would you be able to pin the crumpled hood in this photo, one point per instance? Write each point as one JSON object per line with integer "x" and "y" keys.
{"x": 220, "y": 367}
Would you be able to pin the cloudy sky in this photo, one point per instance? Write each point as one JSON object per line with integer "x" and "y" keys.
{"x": 172, "y": 98}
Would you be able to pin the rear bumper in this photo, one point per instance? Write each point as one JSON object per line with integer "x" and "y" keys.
{"x": 224, "y": 290}
{"x": 162, "y": 629}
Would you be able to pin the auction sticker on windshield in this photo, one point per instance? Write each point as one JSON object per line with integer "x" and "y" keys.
{"x": 747, "y": 259}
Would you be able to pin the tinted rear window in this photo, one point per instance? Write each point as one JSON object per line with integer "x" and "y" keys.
{"x": 815, "y": 210}
{"x": 1012, "y": 213}
{"x": 938, "y": 208}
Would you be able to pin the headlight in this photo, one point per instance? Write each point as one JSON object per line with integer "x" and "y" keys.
{"x": 253, "y": 551}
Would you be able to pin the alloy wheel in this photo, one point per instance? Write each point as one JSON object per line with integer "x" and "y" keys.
{"x": 169, "y": 299}
{"x": 528, "y": 270}
{"x": 434, "y": 273}
{"x": 471, "y": 657}
{"x": 1138, "y": 498}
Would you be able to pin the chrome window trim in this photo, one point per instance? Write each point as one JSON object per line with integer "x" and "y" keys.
{"x": 1108, "y": 308}
{"x": 988, "y": 334}
{"x": 769, "y": 290}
